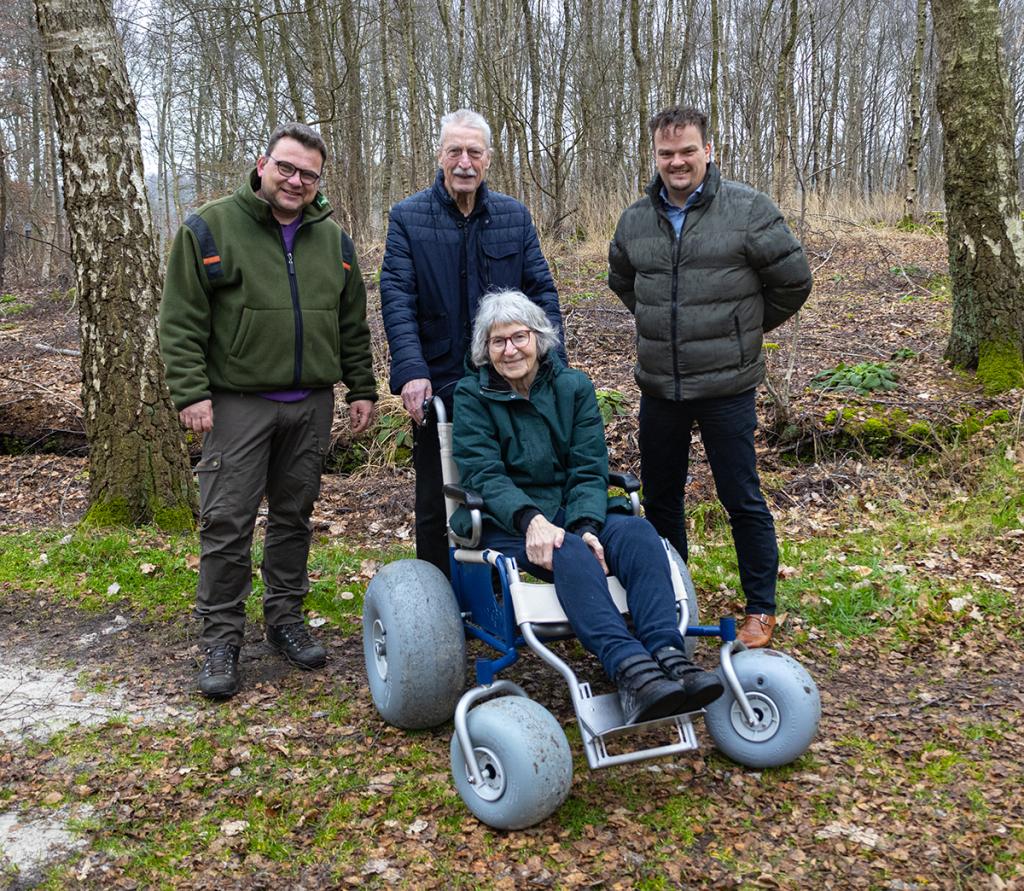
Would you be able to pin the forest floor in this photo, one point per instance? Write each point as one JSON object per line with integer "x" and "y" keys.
{"x": 901, "y": 522}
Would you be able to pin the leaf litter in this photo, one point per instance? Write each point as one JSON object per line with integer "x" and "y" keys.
{"x": 913, "y": 783}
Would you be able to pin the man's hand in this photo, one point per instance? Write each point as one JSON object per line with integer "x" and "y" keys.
{"x": 198, "y": 416}
{"x": 592, "y": 542}
{"x": 360, "y": 413}
{"x": 414, "y": 394}
{"x": 542, "y": 538}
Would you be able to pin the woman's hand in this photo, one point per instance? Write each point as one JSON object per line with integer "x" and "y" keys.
{"x": 542, "y": 538}
{"x": 592, "y": 542}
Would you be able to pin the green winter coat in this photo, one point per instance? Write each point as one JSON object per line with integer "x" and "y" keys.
{"x": 239, "y": 314}
{"x": 545, "y": 452}
{"x": 702, "y": 302}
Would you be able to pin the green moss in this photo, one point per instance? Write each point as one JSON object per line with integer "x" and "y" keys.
{"x": 875, "y": 434}
{"x": 108, "y": 514}
{"x": 173, "y": 517}
{"x": 920, "y": 432}
{"x": 1000, "y": 366}
{"x": 114, "y": 513}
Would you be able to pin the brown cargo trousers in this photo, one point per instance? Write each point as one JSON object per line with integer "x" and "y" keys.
{"x": 258, "y": 446}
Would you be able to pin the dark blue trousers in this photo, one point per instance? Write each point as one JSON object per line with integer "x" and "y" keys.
{"x": 727, "y": 425}
{"x": 636, "y": 556}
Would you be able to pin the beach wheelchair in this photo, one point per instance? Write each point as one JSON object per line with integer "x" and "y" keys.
{"x": 510, "y": 759}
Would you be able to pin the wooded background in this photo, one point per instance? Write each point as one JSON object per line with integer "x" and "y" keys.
{"x": 824, "y": 99}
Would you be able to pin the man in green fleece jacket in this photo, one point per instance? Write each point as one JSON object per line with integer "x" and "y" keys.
{"x": 264, "y": 310}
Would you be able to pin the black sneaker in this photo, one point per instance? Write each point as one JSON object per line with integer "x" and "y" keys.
{"x": 702, "y": 687}
{"x": 218, "y": 678}
{"x": 646, "y": 692}
{"x": 297, "y": 645}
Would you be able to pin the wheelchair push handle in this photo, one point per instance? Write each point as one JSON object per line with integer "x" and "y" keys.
{"x": 434, "y": 405}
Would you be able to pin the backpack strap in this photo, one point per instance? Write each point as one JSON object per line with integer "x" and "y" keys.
{"x": 207, "y": 246}
{"x": 348, "y": 251}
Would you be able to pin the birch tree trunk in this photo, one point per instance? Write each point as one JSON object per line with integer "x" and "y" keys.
{"x": 983, "y": 222}
{"x": 913, "y": 155}
{"x": 138, "y": 466}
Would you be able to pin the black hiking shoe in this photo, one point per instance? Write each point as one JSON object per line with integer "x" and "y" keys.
{"x": 646, "y": 692}
{"x": 297, "y": 645}
{"x": 702, "y": 687}
{"x": 218, "y": 678}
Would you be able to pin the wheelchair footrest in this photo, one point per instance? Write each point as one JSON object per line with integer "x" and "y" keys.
{"x": 600, "y": 720}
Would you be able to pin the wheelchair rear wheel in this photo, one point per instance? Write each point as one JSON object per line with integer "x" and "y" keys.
{"x": 414, "y": 645}
{"x": 525, "y": 760}
{"x": 786, "y": 705}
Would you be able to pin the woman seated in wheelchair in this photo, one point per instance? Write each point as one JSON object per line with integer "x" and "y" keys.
{"x": 528, "y": 437}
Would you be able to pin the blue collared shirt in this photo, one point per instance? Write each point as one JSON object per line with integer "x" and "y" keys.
{"x": 676, "y": 214}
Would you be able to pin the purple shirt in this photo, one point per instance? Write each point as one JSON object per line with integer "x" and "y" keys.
{"x": 288, "y": 237}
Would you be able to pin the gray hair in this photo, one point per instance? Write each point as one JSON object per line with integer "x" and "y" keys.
{"x": 464, "y": 117}
{"x": 504, "y": 308}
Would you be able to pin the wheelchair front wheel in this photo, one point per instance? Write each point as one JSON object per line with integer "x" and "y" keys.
{"x": 524, "y": 758}
{"x": 786, "y": 706}
{"x": 414, "y": 645}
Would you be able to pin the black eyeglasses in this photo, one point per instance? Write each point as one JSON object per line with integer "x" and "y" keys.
{"x": 307, "y": 177}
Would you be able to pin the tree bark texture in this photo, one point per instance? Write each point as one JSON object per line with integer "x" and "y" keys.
{"x": 138, "y": 466}
{"x": 983, "y": 222}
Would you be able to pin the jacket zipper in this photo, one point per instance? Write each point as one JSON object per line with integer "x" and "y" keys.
{"x": 675, "y": 314}
{"x": 739, "y": 339}
{"x": 293, "y": 284}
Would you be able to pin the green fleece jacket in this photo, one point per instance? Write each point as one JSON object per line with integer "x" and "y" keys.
{"x": 240, "y": 314}
{"x": 541, "y": 453}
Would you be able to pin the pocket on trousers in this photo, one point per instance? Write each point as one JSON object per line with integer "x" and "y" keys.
{"x": 209, "y": 463}
{"x": 206, "y": 470}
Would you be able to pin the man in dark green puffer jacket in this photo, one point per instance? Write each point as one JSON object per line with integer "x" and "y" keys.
{"x": 263, "y": 311}
{"x": 706, "y": 266}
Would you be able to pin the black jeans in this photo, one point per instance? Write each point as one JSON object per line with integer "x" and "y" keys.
{"x": 727, "y": 425}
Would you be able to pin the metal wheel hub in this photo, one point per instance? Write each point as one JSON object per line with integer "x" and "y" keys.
{"x": 766, "y": 718}
{"x": 493, "y": 786}
{"x": 380, "y": 649}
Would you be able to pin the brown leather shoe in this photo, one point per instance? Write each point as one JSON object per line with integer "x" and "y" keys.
{"x": 756, "y": 630}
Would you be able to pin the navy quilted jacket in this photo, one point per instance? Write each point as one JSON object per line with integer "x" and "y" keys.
{"x": 438, "y": 264}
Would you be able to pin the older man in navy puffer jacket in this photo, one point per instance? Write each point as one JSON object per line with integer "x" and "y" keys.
{"x": 447, "y": 246}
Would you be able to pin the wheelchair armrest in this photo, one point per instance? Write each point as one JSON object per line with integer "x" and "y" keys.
{"x": 474, "y": 503}
{"x": 468, "y": 497}
{"x": 624, "y": 480}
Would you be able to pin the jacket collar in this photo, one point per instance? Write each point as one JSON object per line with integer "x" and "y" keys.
{"x": 441, "y": 193}
{"x": 494, "y": 386}
{"x": 259, "y": 210}
{"x": 709, "y": 188}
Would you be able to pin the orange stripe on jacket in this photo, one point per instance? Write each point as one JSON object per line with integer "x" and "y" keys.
{"x": 209, "y": 261}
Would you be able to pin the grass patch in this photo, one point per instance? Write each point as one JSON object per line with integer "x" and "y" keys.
{"x": 156, "y": 573}
{"x": 861, "y": 573}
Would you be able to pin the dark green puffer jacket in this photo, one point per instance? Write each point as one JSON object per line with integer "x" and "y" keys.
{"x": 702, "y": 302}
{"x": 544, "y": 452}
{"x": 253, "y": 320}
